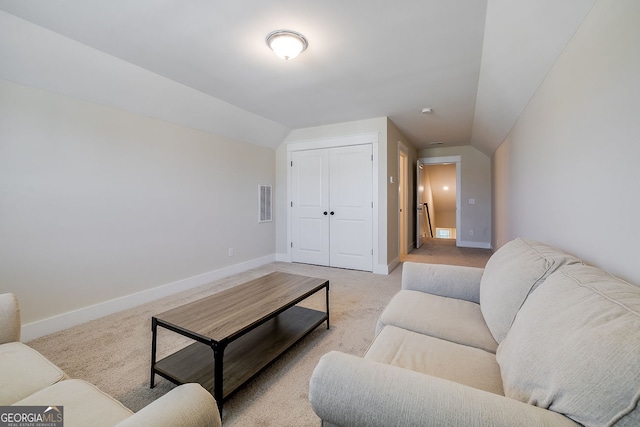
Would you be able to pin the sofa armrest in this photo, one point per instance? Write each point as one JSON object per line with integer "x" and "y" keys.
{"x": 187, "y": 405}
{"x": 444, "y": 280}
{"x": 9, "y": 319}
{"x": 346, "y": 390}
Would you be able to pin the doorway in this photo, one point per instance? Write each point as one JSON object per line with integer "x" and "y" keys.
{"x": 438, "y": 196}
{"x": 442, "y": 212}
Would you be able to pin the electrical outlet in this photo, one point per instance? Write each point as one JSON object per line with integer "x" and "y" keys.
{"x": 230, "y": 251}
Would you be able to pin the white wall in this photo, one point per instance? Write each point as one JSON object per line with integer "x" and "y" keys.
{"x": 97, "y": 203}
{"x": 475, "y": 176}
{"x": 568, "y": 173}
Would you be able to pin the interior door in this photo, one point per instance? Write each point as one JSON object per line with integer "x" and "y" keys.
{"x": 332, "y": 207}
{"x": 310, "y": 207}
{"x": 419, "y": 203}
{"x": 351, "y": 203}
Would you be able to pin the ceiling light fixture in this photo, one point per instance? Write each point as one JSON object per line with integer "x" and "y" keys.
{"x": 286, "y": 44}
{"x": 427, "y": 110}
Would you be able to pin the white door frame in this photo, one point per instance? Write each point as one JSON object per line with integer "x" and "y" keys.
{"x": 403, "y": 181}
{"x": 419, "y": 203}
{"x": 457, "y": 160}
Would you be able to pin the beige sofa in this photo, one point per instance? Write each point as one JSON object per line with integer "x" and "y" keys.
{"x": 28, "y": 379}
{"x": 537, "y": 338}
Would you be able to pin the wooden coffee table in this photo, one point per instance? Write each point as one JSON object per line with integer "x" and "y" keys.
{"x": 247, "y": 327}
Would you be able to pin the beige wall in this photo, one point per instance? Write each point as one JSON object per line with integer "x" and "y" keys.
{"x": 500, "y": 221}
{"x": 444, "y": 201}
{"x": 568, "y": 173}
{"x": 427, "y": 197}
{"x": 394, "y": 138}
{"x": 97, "y": 203}
{"x": 475, "y": 184}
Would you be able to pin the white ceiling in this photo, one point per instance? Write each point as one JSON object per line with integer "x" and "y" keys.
{"x": 366, "y": 58}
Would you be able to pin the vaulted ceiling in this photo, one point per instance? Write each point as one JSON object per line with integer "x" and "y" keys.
{"x": 476, "y": 63}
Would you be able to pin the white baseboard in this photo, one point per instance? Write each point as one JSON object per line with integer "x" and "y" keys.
{"x": 283, "y": 257}
{"x": 386, "y": 269}
{"x": 478, "y": 245}
{"x": 85, "y": 314}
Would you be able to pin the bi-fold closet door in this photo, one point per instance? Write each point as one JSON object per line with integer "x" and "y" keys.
{"x": 332, "y": 207}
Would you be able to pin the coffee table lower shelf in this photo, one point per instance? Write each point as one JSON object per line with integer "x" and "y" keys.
{"x": 243, "y": 357}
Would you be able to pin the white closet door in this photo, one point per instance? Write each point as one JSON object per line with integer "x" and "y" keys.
{"x": 351, "y": 210}
{"x": 310, "y": 201}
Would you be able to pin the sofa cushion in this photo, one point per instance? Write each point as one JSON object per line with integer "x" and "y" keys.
{"x": 574, "y": 348}
{"x": 439, "y": 358}
{"x": 84, "y": 404}
{"x": 9, "y": 319}
{"x": 511, "y": 274}
{"x": 24, "y": 371}
{"x": 450, "y": 319}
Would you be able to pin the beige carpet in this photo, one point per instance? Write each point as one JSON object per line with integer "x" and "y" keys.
{"x": 445, "y": 251}
{"x": 114, "y": 352}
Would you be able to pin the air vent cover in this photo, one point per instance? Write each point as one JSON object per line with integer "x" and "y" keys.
{"x": 264, "y": 203}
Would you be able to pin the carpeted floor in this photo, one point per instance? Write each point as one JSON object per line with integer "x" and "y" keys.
{"x": 114, "y": 352}
{"x": 445, "y": 251}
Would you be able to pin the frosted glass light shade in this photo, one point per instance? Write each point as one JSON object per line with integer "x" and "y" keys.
{"x": 286, "y": 44}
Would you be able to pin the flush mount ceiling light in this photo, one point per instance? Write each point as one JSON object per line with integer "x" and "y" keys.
{"x": 427, "y": 110}
{"x": 286, "y": 44}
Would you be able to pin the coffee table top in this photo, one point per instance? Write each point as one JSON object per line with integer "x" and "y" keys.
{"x": 226, "y": 315}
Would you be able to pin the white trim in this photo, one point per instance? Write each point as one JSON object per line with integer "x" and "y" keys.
{"x": 386, "y": 269}
{"x": 458, "y": 161}
{"x": 440, "y": 160}
{"x": 340, "y": 141}
{"x": 402, "y": 197}
{"x": 478, "y": 245}
{"x": 283, "y": 257}
{"x": 72, "y": 318}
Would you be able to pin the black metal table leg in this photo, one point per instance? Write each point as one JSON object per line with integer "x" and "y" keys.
{"x": 154, "y": 330}
{"x": 327, "y": 293}
{"x": 218, "y": 360}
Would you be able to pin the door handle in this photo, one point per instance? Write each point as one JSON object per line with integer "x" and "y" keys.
{"x": 332, "y": 212}
{"x": 325, "y": 212}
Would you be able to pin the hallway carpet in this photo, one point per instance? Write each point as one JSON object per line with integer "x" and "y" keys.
{"x": 445, "y": 251}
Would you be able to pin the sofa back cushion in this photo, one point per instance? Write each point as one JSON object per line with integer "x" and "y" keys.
{"x": 511, "y": 274}
{"x": 574, "y": 348}
{"x": 9, "y": 318}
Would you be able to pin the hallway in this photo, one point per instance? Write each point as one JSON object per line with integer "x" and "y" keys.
{"x": 445, "y": 251}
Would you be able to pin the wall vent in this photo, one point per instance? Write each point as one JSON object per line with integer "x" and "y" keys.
{"x": 264, "y": 203}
